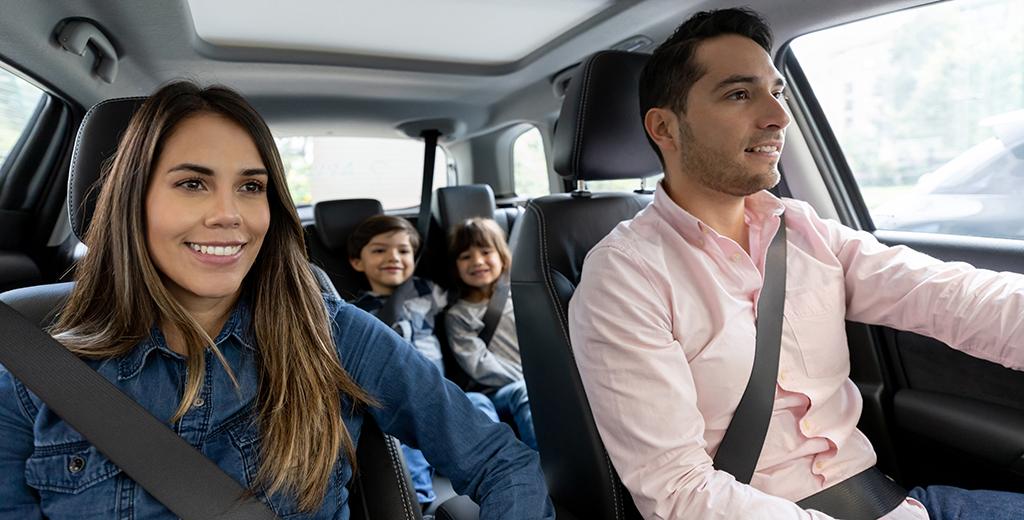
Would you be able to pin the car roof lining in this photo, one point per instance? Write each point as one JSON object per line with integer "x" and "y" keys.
{"x": 157, "y": 43}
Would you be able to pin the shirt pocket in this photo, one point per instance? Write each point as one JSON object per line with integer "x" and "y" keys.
{"x": 74, "y": 480}
{"x": 245, "y": 438}
{"x": 816, "y": 318}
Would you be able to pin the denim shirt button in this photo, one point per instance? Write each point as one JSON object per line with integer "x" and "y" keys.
{"x": 77, "y": 464}
{"x": 199, "y": 402}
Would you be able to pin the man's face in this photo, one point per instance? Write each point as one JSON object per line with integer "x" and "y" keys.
{"x": 731, "y": 135}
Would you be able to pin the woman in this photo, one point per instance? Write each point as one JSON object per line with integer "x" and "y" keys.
{"x": 197, "y": 301}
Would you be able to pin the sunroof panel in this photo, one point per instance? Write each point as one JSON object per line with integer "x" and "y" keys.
{"x": 485, "y": 32}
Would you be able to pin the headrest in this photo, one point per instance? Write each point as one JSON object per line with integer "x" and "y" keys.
{"x": 97, "y": 140}
{"x": 455, "y": 204}
{"x": 599, "y": 134}
{"x": 337, "y": 219}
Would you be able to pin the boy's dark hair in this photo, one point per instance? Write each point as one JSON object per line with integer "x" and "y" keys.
{"x": 672, "y": 70}
{"x": 378, "y": 225}
{"x": 479, "y": 232}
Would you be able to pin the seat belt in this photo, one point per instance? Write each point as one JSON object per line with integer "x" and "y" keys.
{"x": 391, "y": 310}
{"x": 865, "y": 496}
{"x": 495, "y": 309}
{"x": 175, "y": 473}
{"x": 743, "y": 440}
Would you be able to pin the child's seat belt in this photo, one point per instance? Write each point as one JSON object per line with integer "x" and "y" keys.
{"x": 392, "y": 308}
{"x": 865, "y": 496}
{"x": 495, "y": 309}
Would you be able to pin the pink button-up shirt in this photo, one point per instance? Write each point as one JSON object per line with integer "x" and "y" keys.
{"x": 662, "y": 327}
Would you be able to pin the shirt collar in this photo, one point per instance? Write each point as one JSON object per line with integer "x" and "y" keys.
{"x": 237, "y": 326}
{"x": 759, "y": 207}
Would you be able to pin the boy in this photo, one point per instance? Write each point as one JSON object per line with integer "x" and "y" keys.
{"x": 384, "y": 249}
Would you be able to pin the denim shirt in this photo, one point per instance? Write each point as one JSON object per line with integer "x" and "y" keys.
{"x": 47, "y": 469}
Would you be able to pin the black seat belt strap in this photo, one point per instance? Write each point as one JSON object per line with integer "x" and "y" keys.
{"x": 741, "y": 446}
{"x": 427, "y": 189}
{"x": 181, "y": 478}
{"x": 495, "y": 309}
{"x": 391, "y": 310}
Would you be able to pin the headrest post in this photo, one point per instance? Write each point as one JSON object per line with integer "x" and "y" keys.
{"x": 581, "y": 189}
{"x": 644, "y": 190}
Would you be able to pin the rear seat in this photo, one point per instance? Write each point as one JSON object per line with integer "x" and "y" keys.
{"x": 326, "y": 239}
{"x": 454, "y": 204}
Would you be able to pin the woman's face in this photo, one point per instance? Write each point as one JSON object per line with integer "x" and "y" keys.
{"x": 207, "y": 210}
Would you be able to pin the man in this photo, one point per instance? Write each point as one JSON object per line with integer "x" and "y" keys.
{"x": 663, "y": 322}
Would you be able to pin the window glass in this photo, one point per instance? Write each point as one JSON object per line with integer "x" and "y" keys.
{"x": 928, "y": 106}
{"x": 530, "y": 167}
{"x": 623, "y": 184}
{"x": 328, "y": 168}
{"x": 18, "y": 101}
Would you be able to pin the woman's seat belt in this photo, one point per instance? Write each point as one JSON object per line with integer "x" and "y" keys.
{"x": 175, "y": 473}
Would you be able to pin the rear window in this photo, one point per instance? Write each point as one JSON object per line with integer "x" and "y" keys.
{"x": 18, "y": 101}
{"x": 328, "y": 168}
{"x": 625, "y": 184}
{"x": 928, "y": 107}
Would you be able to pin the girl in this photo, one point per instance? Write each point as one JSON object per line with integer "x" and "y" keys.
{"x": 482, "y": 259}
{"x": 196, "y": 299}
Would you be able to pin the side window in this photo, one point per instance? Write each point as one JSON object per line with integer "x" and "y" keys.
{"x": 529, "y": 165}
{"x": 18, "y": 101}
{"x": 928, "y": 107}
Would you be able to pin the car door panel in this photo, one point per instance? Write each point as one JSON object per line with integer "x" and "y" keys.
{"x": 935, "y": 414}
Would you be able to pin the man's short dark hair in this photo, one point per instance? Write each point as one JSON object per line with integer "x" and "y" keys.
{"x": 672, "y": 69}
{"x": 379, "y": 225}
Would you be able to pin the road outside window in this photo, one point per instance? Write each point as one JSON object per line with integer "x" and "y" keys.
{"x": 328, "y": 168}
{"x": 928, "y": 106}
{"x": 18, "y": 101}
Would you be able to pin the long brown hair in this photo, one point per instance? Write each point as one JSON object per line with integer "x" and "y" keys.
{"x": 119, "y": 295}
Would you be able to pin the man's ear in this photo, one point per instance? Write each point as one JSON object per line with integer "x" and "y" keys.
{"x": 357, "y": 264}
{"x": 662, "y": 125}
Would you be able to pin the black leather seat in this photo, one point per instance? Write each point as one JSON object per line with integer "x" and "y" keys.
{"x": 381, "y": 490}
{"x": 454, "y": 204}
{"x": 599, "y": 137}
{"x": 327, "y": 241}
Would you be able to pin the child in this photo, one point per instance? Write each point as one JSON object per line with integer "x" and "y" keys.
{"x": 384, "y": 249}
{"x": 481, "y": 259}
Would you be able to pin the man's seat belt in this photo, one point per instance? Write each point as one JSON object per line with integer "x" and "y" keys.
{"x": 865, "y": 496}
{"x": 743, "y": 440}
{"x": 392, "y": 308}
{"x": 146, "y": 449}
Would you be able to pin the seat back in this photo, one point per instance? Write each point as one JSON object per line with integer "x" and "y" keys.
{"x": 327, "y": 241}
{"x": 599, "y": 137}
{"x": 382, "y": 489}
{"x": 455, "y": 204}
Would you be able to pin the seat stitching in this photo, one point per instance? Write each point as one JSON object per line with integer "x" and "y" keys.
{"x": 396, "y": 463}
{"x": 74, "y": 157}
{"x": 581, "y": 120}
{"x": 549, "y": 282}
{"x": 619, "y": 513}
